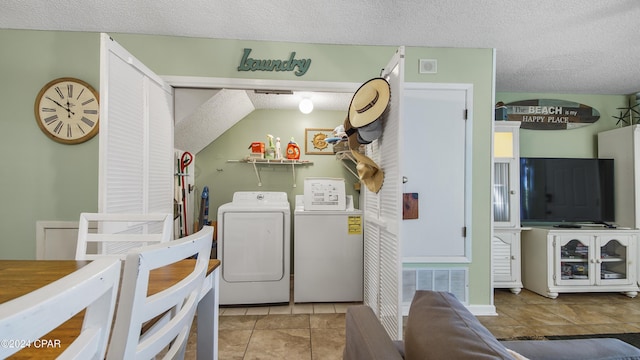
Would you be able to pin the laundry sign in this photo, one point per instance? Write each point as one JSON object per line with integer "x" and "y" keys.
{"x": 550, "y": 114}
{"x": 298, "y": 66}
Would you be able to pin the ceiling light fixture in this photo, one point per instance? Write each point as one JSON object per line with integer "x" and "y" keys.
{"x": 306, "y": 106}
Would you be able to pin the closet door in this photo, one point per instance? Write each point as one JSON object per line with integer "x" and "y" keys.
{"x": 435, "y": 165}
{"x": 136, "y": 135}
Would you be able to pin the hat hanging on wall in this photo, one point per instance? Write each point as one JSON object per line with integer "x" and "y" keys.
{"x": 363, "y": 125}
{"x": 368, "y": 171}
{"x": 369, "y": 102}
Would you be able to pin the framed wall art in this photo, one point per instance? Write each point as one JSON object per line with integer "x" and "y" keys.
{"x": 315, "y": 141}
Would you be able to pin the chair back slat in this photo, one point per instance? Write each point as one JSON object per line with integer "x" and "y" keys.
{"x": 171, "y": 310}
{"x": 119, "y": 233}
{"x": 92, "y": 288}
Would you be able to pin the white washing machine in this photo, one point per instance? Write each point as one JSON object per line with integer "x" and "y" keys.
{"x": 254, "y": 248}
{"x": 328, "y": 254}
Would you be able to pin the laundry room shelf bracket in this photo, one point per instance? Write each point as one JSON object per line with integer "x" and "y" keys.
{"x": 256, "y": 162}
{"x": 345, "y": 157}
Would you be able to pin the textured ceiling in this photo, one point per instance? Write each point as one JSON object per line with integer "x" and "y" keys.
{"x": 570, "y": 46}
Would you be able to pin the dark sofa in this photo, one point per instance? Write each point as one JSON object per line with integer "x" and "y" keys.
{"x": 440, "y": 327}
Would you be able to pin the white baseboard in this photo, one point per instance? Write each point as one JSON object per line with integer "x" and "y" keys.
{"x": 56, "y": 240}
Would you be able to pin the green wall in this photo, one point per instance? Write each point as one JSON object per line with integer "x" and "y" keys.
{"x": 469, "y": 66}
{"x": 41, "y": 179}
{"x": 220, "y": 58}
{"x": 44, "y": 180}
{"x": 224, "y": 177}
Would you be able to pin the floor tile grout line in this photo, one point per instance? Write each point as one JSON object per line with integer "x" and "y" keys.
{"x": 246, "y": 348}
{"x": 310, "y": 341}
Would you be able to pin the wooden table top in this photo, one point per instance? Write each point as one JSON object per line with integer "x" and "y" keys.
{"x": 19, "y": 277}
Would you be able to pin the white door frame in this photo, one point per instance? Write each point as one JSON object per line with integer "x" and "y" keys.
{"x": 250, "y": 84}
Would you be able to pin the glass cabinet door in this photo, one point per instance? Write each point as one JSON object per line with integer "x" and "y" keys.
{"x": 613, "y": 260}
{"x": 501, "y": 196}
{"x": 574, "y": 254}
{"x": 506, "y": 175}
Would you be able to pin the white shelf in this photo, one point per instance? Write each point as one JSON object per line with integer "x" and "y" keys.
{"x": 272, "y": 161}
{"x": 256, "y": 161}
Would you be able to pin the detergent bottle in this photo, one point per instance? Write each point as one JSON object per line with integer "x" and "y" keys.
{"x": 271, "y": 150}
{"x": 293, "y": 150}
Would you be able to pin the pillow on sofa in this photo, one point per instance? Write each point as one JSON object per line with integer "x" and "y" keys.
{"x": 440, "y": 327}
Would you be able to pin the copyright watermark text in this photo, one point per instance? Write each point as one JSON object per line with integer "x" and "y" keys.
{"x": 23, "y": 343}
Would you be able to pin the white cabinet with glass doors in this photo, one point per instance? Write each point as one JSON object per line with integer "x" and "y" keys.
{"x": 505, "y": 244}
{"x": 580, "y": 260}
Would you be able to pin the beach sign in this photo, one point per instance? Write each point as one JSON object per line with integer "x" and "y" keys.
{"x": 550, "y": 114}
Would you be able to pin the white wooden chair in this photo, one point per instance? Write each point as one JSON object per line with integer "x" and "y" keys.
{"x": 118, "y": 233}
{"x": 172, "y": 310}
{"x": 93, "y": 287}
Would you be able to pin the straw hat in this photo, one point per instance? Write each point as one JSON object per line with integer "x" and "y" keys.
{"x": 368, "y": 171}
{"x": 369, "y": 102}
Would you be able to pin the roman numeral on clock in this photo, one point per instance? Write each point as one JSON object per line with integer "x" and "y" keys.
{"x": 58, "y": 127}
{"x": 49, "y": 120}
{"x": 87, "y": 121}
{"x": 59, "y": 92}
{"x": 69, "y": 130}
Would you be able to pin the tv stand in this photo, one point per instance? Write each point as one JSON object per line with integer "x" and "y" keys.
{"x": 557, "y": 260}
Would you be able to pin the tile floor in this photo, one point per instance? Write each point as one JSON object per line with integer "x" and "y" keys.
{"x": 294, "y": 331}
{"x": 530, "y": 314}
{"x": 317, "y": 331}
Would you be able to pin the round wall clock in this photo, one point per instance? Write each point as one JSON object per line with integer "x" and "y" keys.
{"x": 68, "y": 110}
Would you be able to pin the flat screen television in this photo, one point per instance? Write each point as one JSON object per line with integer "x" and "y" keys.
{"x": 558, "y": 190}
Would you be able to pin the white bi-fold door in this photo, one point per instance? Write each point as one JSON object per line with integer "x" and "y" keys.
{"x": 136, "y": 135}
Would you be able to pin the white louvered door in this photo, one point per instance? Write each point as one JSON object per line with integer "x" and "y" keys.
{"x": 383, "y": 212}
{"x": 136, "y": 135}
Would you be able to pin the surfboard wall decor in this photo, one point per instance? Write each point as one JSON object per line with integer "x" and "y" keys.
{"x": 550, "y": 114}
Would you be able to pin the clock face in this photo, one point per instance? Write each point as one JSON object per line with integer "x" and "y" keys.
{"x": 68, "y": 110}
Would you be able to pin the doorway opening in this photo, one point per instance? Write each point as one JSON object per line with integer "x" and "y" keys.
{"x": 199, "y": 100}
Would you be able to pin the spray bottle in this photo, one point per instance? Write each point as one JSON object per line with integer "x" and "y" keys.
{"x": 271, "y": 150}
{"x": 278, "y": 149}
{"x": 293, "y": 150}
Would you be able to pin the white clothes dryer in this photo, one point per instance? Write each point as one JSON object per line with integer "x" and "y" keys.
{"x": 254, "y": 248}
{"x": 327, "y": 254}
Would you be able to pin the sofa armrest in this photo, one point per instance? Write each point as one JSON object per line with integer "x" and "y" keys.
{"x": 366, "y": 338}
{"x": 578, "y": 349}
